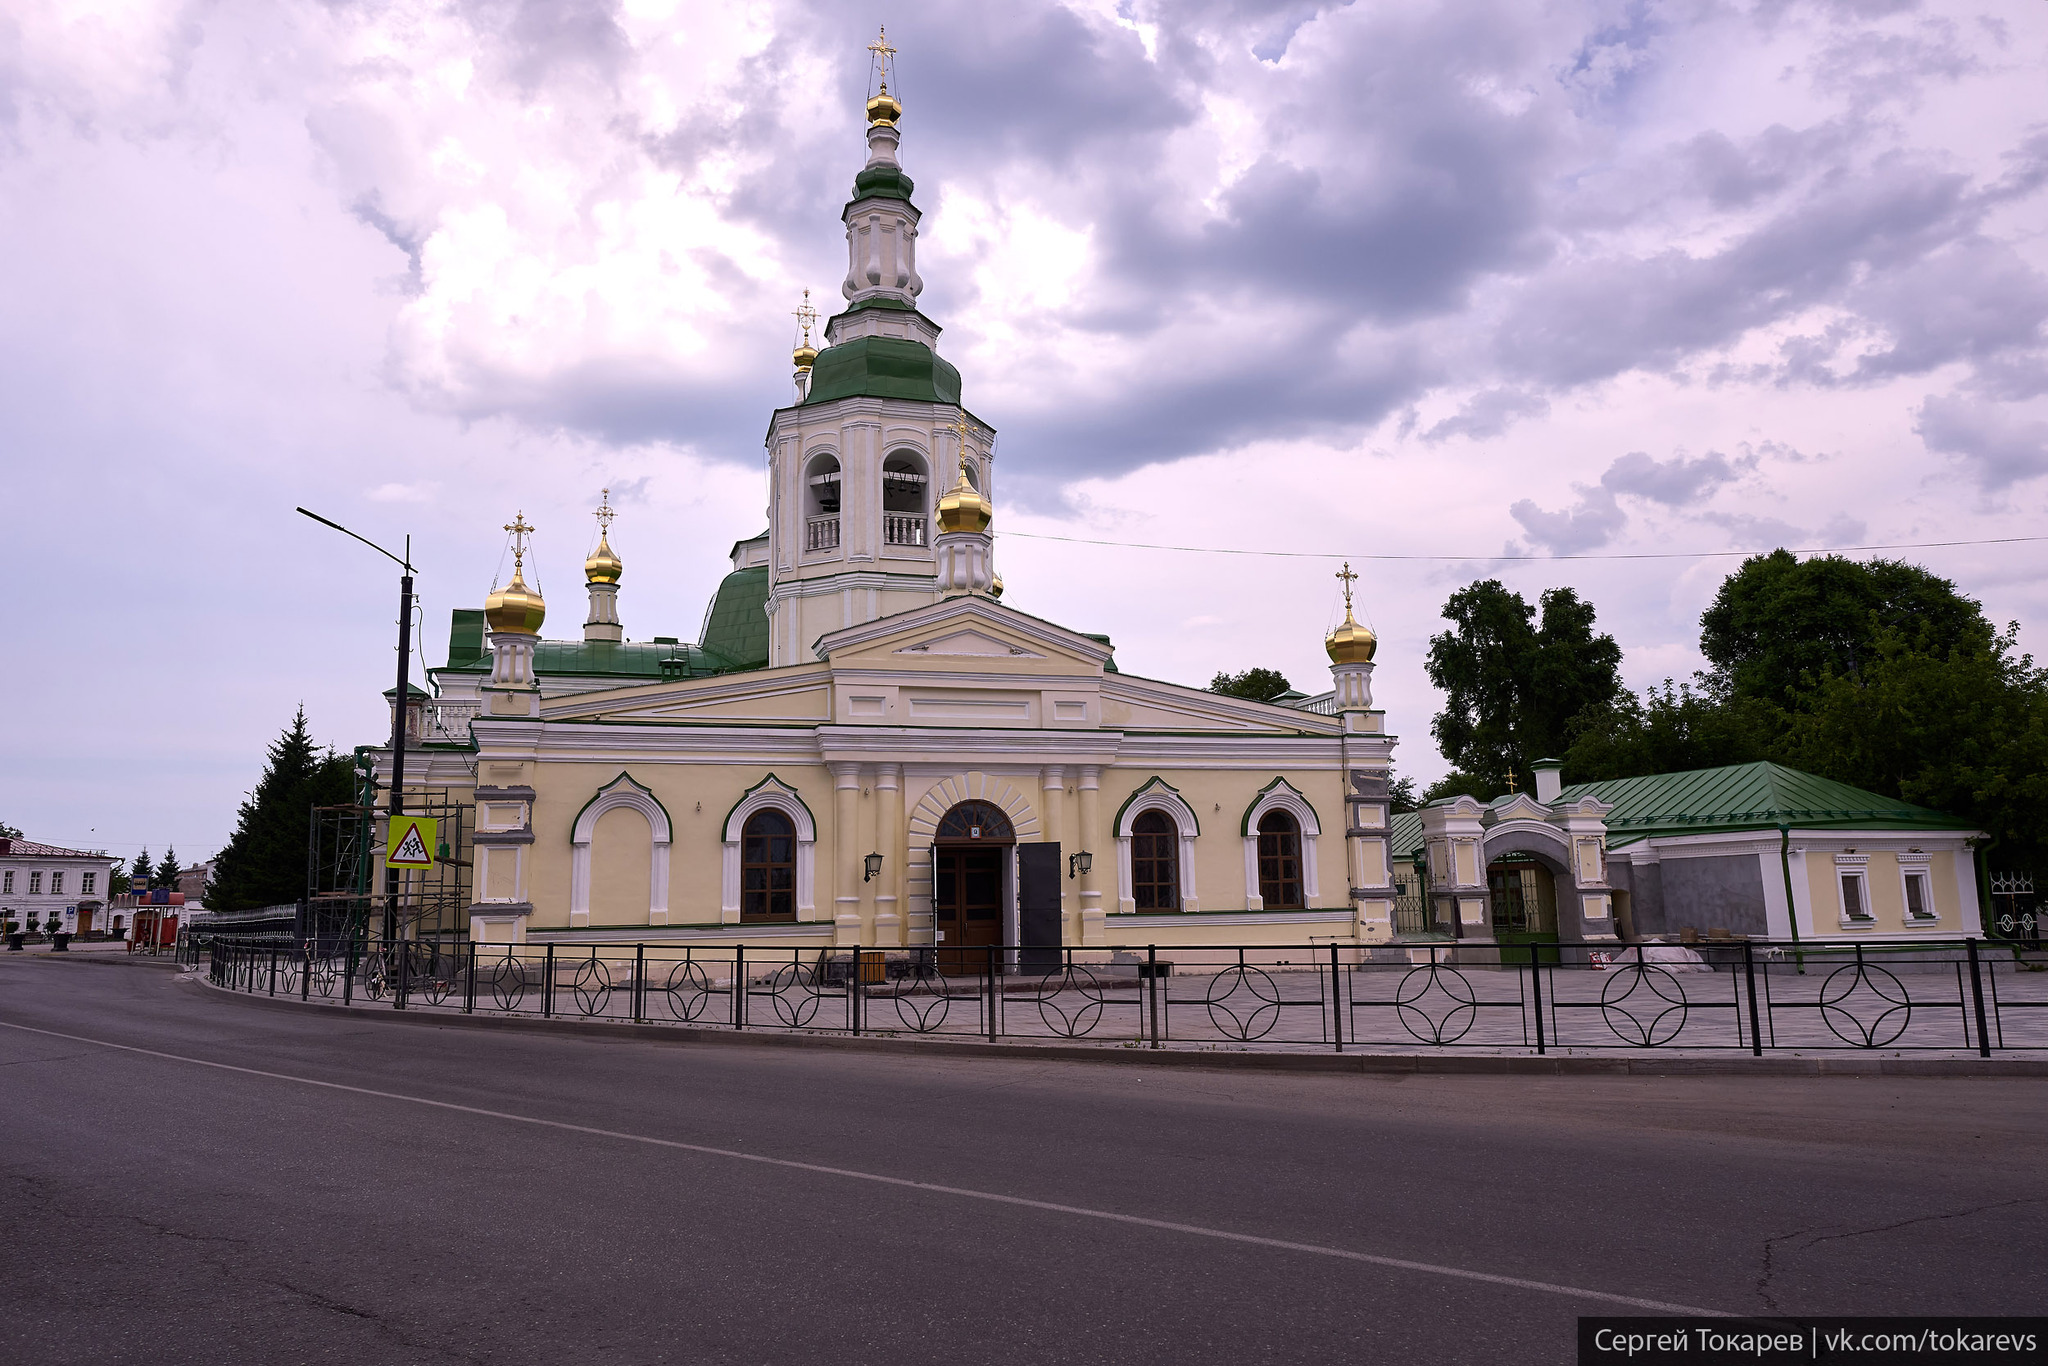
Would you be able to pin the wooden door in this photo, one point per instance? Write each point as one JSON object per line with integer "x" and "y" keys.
{"x": 967, "y": 905}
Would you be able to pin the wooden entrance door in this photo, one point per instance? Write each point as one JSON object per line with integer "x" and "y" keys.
{"x": 967, "y": 905}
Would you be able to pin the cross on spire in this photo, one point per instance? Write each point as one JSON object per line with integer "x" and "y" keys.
{"x": 807, "y": 316}
{"x": 883, "y": 52}
{"x": 1348, "y": 578}
{"x": 958, "y": 426}
{"x": 604, "y": 513}
{"x": 1511, "y": 780}
{"x": 520, "y": 531}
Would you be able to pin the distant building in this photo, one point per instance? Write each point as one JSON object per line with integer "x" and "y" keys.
{"x": 192, "y": 882}
{"x": 36, "y": 879}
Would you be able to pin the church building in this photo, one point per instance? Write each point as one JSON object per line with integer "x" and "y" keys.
{"x": 865, "y": 746}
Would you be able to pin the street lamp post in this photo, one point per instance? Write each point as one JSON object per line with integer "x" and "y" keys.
{"x": 397, "y": 712}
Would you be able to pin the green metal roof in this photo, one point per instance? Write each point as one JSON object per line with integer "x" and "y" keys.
{"x": 465, "y": 637}
{"x": 881, "y": 182}
{"x": 736, "y": 622}
{"x": 735, "y": 639}
{"x": 1759, "y": 796}
{"x": 882, "y": 367}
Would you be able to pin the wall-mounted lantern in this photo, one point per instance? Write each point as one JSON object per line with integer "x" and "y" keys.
{"x": 1082, "y": 861}
{"x": 874, "y": 868}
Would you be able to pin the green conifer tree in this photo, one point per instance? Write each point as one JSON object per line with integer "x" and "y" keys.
{"x": 264, "y": 862}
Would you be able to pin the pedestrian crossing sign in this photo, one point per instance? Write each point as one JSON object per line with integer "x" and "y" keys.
{"x": 411, "y": 842}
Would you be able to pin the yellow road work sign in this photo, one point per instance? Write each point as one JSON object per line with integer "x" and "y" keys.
{"x": 410, "y": 843}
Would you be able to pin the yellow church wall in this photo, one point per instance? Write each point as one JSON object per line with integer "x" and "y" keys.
{"x": 1885, "y": 888}
{"x": 697, "y": 797}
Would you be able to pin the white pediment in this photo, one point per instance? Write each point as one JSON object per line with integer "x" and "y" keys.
{"x": 970, "y": 643}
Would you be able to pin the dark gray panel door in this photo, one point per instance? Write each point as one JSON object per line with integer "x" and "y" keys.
{"x": 1038, "y": 907}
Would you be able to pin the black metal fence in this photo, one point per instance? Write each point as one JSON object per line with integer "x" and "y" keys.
{"x": 1753, "y": 995}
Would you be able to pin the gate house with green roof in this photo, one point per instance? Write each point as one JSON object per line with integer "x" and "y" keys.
{"x": 1735, "y": 848}
{"x": 1752, "y": 849}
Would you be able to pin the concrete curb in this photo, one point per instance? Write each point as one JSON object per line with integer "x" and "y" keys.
{"x": 1470, "y": 1064}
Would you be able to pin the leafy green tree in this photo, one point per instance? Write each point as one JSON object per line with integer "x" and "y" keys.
{"x": 1402, "y": 790}
{"x": 1456, "y": 784}
{"x": 264, "y": 861}
{"x": 1681, "y": 726}
{"x": 1514, "y": 680}
{"x": 117, "y": 882}
{"x": 1963, "y": 730}
{"x": 1260, "y": 685}
{"x": 8, "y": 832}
{"x": 1779, "y": 623}
{"x": 167, "y": 870}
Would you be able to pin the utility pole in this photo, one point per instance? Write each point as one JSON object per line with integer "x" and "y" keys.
{"x": 395, "y": 807}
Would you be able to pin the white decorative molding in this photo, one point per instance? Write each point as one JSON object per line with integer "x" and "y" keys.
{"x": 948, "y": 793}
{"x": 621, "y": 791}
{"x": 1156, "y": 795}
{"x": 1281, "y": 795}
{"x": 771, "y": 793}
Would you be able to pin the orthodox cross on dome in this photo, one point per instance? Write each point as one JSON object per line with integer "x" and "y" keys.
{"x": 1348, "y": 578}
{"x": 1511, "y": 780}
{"x": 807, "y": 316}
{"x": 604, "y": 513}
{"x": 958, "y": 426}
{"x": 520, "y": 532}
{"x": 883, "y": 52}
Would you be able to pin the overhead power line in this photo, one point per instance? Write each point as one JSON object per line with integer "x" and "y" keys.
{"x": 1455, "y": 559}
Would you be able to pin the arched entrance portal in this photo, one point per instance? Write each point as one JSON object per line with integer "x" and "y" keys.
{"x": 1521, "y": 894}
{"x": 970, "y": 876}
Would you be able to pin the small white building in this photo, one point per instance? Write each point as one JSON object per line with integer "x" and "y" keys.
{"x": 36, "y": 879}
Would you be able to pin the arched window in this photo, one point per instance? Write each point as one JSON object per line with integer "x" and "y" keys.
{"x": 768, "y": 868}
{"x": 821, "y": 504}
{"x": 903, "y": 500}
{"x": 1155, "y": 862}
{"x": 976, "y": 820}
{"x": 1280, "y": 861}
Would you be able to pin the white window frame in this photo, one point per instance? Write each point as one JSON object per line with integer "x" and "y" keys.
{"x": 1282, "y": 795}
{"x": 1156, "y": 795}
{"x": 35, "y": 884}
{"x": 771, "y": 793}
{"x": 86, "y": 883}
{"x": 7, "y": 883}
{"x": 1855, "y": 866}
{"x": 620, "y": 791}
{"x": 57, "y": 883}
{"x": 1920, "y": 866}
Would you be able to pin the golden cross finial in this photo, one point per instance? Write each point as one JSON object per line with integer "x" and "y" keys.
{"x": 883, "y": 52}
{"x": 604, "y": 513}
{"x": 520, "y": 531}
{"x": 1348, "y": 579}
{"x": 958, "y": 426}
{"x": 808, "y": 316}
{"x": 1511, "y": 780}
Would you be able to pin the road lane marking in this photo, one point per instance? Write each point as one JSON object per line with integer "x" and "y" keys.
{"x": 960, "y": 1192}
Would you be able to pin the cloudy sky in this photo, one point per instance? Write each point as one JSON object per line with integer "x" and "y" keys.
{"x": 1459, "y": 280}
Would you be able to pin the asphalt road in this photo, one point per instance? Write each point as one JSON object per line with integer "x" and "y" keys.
{"x": 154, "y": 1209}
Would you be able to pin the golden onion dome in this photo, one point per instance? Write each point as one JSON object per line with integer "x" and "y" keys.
{"x": 602, "y": 566}
{"x": 884, "y": 109}
{"x": 963, "y": 509}
{"x": 1351, "y": 643}
{"x": 515, "y": 608}
{"x": 805, "y": 356}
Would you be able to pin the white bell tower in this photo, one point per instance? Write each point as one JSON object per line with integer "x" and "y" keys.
{"x": 877, "y": 439}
